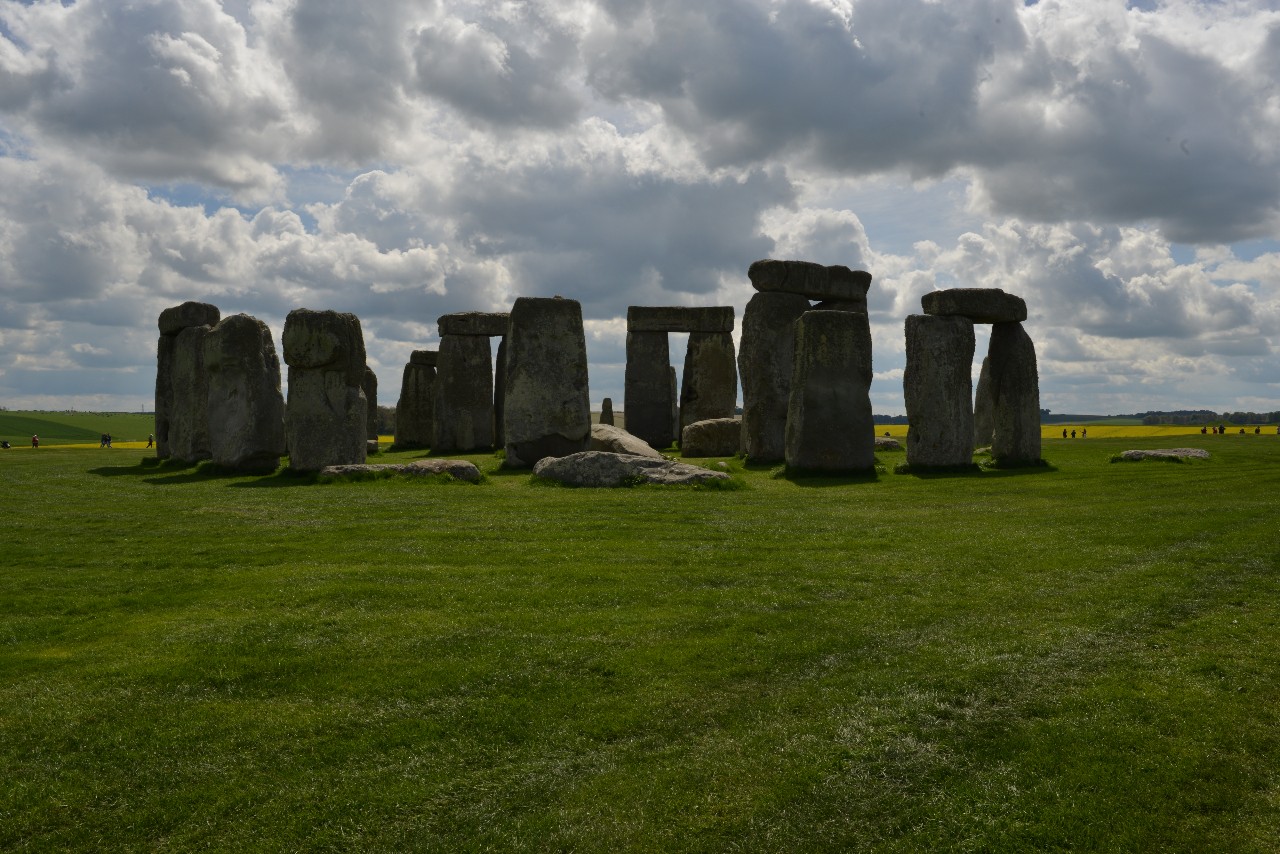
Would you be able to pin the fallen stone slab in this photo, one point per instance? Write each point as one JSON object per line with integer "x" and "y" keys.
{"x": 604, "y": 469}
{"x": 457, "y": 469}
{"x": 490, "y": 323}
{"x": 679, "y": 318}
{"x": 1165, "y": 454}
{"x": 887, "y": 443}
{"x": 606, "y": 437}
{"x": 981, "y": 305}
{"x": 712, "y": 437}
{"x": 811, "y": 280}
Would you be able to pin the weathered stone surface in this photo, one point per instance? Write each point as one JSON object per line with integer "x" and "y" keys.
{"x": 464, "y": 395}
{"x": 983, "y": 424}
{"x": 981, "y": 305}
{"x": 715, "y": 437}
{"x": 457, "y": 469}
{"x": 1015, "y": 396}
{"x": 810, "y": 280}
{"x": 709, "y": 388}
{"x": 765, "y": 362}
{"x": 603, "y": 469}
{"x": 887, "y": 443}
{"x": 938, "y": 386}
{"x": 547, "y": 410}
{"x": 1164, "y": 453}
{"x": 188, "y": 417}
{"x": 326, "y": 416}
{"x": 500, "y": 393}
{"x": 179, "y": 317}
{"x": 246, "y": 407}
{"x": 415, "y": 416}
{"x": 370, "y": 386}
{"x": 491, "y": 323}
{"x": 164, "y": 392}
{"x": 829, "y": 424}
{"x": 605, "y": 437}
{"x": 606, "y": 411}
{"x": 426, "y": 358}
{"x": 648, "y": 398}
{"x": 679, "y": 318}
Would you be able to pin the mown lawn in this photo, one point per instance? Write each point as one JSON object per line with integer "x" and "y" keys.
{"x": 1080, "y": 657}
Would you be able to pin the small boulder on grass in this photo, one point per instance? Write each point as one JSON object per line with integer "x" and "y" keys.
{"x": 885, "y": 443}
{"x": 604, "y": 469}
{"x": 456, "y": 469}
{"x": 606, "y": 437}
{"x": 1177, "y": 454}
{"x": 713, "y": 437}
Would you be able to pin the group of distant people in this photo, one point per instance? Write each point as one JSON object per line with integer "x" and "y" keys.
{"x": 1084, "y": 433}
{"x": 1221, "y": 430}
{"x": 104, "y": 441}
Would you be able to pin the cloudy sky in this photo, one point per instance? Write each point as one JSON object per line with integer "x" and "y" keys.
{"x": 1117, "y": 164}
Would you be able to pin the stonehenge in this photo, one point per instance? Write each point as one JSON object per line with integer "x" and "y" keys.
{"x": 182, "y": 385}
{"x": 938, "y": 389}
{"x": 370, "y": 386}
{"x": 1015, "y": 396}
{"x": 326, "y": 415}
{"x": 606, "y": 411}
{"x": 829, "y": 425}
{"x": 246, "y": 408}
{"x": 546, "y": 406}
{"x": 709, "y": 388}
{"x": 417, "y": 400}
{"x": 463, "y": 412}
{"x": 715, "y": 437}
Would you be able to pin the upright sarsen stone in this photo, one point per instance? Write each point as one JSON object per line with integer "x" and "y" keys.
{"x": 370, "y": 386}
{"x": 246, "y": 407}
{"x": 414, "y": 415}
{"x": 983, "y": 424}
{"x": 189, "y": 414}
{"x": 326, "y": 418}
{"x": 171, "y": 322}
{"x": 829, "y": 424}
{"x": 606, "y": 411}
{"x": 765, "y": 362}
{"x": 709, "y": 388}
{"x": 1015, "y": 396}
{"x": 647, "y": 394}
{"x": 464, "y": 394}
{"x": 546, "y": 408}
{"x": 938, "y": 387}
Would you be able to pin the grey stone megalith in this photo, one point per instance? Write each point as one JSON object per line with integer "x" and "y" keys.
{"x": 829, "y": 423}
{"x": 414, "y": 409}
{"x": 983, "y": 425}
{"x": 464, "y": 398}
{"x": 326, "y": 416}
{"x": 709, "y": 387}
{"x": 938, "y": 387}
{"x": 370, "y": 386}
{"x": 547, "y": 407}
{"x": 1015, "y": 396}
{"x": 246, "y": 407}
{"x": 606, "y": 411}
{"x": 784, "y": 291}
{"x": 172, "y": 403}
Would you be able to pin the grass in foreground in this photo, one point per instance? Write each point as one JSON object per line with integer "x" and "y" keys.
{"x": 1075, "y": 657}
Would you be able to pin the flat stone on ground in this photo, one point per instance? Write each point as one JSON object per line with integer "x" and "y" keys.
{"x": 457, "y": 469}
{"x": 603, "y": 469}
{"x": 713, "y": 437}
{"x": 981, "y": 305}
{"x": 1165, "y": 453}
{"x": 606, "y": 437}
{"x": 887, "y": 443}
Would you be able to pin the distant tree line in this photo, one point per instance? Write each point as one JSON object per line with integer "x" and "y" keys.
{"x": 1206, "y": 416}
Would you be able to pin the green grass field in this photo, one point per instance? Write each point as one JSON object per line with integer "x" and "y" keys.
{"x": 1085, "y": 656}
{"x": 76, "y": 428}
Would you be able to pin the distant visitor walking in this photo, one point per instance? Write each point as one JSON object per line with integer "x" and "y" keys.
{"x": 35, "y": 441}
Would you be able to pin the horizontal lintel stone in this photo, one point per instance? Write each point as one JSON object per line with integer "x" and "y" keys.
{"x": 424, "y": 357}
{"x": 678, "y": 318}
{"x": 814, "y": 281}
{"x": 491, "y": 323}
{"x": 981, "y": 305}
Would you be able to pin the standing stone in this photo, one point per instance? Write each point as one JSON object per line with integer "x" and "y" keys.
{"x": 326, "y": 421}
{"x": 673, "y": 383}
{"x": 1015, "y": 396}
{"x": 464, "y": 394}
{"x": 547, "y": 408}
{"x": 370, "y": 386}
{"x": 414, "y": 416}
{"x": 171, "y": 322}
{"x": 938, "y": 388}
{"x": 647, "y": 397}
{"x": 606, "y": 411}
{"x": 829, "y": 424}
{"x": 982, "y": 414}
{"x": 189, "y": 416}
{"x": 709, "y": 388}
{"x": 246, "y": 408}
{"x": 500, "y": 394}
{"x": 765, "y": 364}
